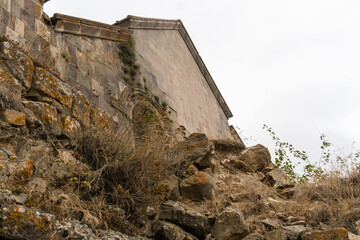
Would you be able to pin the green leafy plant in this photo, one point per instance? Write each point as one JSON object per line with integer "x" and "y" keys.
{"x": 287, "y": 158}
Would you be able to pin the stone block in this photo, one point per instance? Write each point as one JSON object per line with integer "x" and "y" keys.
{"x": 90, "y": 30}
{"x": 14, "y": 117}
{"x": 40, "y": 50}
{"x": 42, "y": 30}
{"x": 15, "y": 37}
{"x": 30, "y": 7}
{"x": 15, "y": 9}
{"x": 20, "y": 27}
{"x": 38, "y": 10}
{"x": 4, "y": 19}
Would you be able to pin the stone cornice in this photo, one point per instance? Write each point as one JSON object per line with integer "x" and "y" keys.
{"x": 133, "y": 22}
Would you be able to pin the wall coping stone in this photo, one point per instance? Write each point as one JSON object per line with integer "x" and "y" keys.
{"x": 79, "y": 26}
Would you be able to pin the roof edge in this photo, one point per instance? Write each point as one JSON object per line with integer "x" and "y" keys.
{"x": 135, "y": 22}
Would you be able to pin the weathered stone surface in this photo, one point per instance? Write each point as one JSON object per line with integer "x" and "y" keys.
{"x": 9, "y": 84}
{"x": 198, "y": 186}
{"x": 230, "y": 225}
{"x": 182, "y": 215}
{"x": 271, "y": 224}
{"x": 23, "y": 223}
{"x": 70, "y": 126}
{"x": 276, "y": 234}
{"x": 256, "y": 158}
{"x": 293, "y": 232}
{"x": 331, "y": 234}
{"x": 280, "y": 179}
{"x": 169, "y": 231}
{"x": 50, "y": 85}
{"x": 18, "y": 63}
{"x": 47, "y": 114}
{"x": 101, "y": 119}
{"x": 226, "y": 145}
{"x": 14, "y": 117}
{"x": 81, "y": 109}
{"x": 196, "y": 150}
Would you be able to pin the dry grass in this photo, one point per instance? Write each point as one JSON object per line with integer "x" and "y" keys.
{"x": 333, "y": 199}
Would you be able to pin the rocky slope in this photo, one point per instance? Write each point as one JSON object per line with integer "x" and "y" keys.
{"x": 59, "y": 183}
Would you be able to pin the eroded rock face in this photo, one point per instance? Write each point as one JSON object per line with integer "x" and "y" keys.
{"x": 182, "y": 215}
{"x": 230, "y": 225}
{"x": 256, "y": 158}
{"x": 199, "y": 186}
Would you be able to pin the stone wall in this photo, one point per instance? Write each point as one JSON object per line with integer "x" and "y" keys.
{"x": 173, "y": 73}
{"x": 84, "y": 54}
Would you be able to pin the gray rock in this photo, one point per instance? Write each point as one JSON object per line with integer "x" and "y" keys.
{"x": 279, "y": 179}
{"x": 199, "y": 186}
{"x": 169, "y": 231}
{"x": 230, "y": 225}
{"x": 180, "y": 214}
{"x": 256, "y": 158}
{"x": 227, "y": 145}
{"x": 293, "y": 232}
{"x": 271, "y": 224}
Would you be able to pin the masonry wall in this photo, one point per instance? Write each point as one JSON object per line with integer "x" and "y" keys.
{"x": 173, "y": 73}
{"x": 88, "y": 64}
{"x": 84, "y": 54}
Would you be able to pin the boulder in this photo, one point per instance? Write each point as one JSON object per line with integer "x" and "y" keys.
{"x": 256, "y": 158}
{"x": 230, "y": 225}
{"x": 169, "y": 231}
{"x": 333, "y": 234}
{"x": 227, "y": 145}
{"x": 180, "y": 214}
{"x": 196, "y": 150}
{"x": 199, "y": 186}
{"x": 279, "y": 179}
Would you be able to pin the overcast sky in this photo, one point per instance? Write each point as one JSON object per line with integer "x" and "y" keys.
{"x": 291, "y": 64}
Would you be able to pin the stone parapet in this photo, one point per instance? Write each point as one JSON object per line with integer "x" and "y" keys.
{"x": 88, "y": 28}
